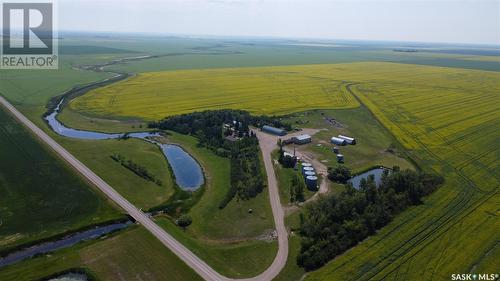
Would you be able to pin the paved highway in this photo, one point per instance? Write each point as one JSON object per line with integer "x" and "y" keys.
{"x": 202, "y": 268}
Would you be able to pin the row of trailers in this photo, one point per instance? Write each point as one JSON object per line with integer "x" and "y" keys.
{"x": 309, "y": 176}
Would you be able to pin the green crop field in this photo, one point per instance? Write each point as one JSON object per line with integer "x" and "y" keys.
{"x": 133, "y": 254}
{"x": 35, "y": 88}
{"x": 39, "y": 195}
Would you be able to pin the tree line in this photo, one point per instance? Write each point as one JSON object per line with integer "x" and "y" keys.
{"x": 297, "y": 187}
{"x": 211, "y": 128}
{"x": 246, "y": 175}
{"x": 333, "y": 224}
{"x": 136, "y": 168}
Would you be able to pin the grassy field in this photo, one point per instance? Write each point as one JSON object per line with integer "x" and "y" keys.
{"x": 375, "y": 145}
{"x": 449, "y": 121}
{"x": 231, "y": 239}
{"x": 233, "y": 222}
{"x": 236, "y": 259}
{"x": 80, "y": 121}
{"x": 34, "y": 87}
{"x": 39, "y": 195}
{"x": 195, "y": 53}
{"x": 275, "y": 90}
{"x": 291, "y": 271}
{"x": 140, "y": 192}
{"x": 134, "y": 254}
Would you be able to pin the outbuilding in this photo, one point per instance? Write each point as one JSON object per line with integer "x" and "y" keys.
{"x": 273, "y": 130}
{"x": 349, "y": 140}
{"x": 340, "y": 158}
{"x": 302, "y": 139}
{"x": 338, "y": 141}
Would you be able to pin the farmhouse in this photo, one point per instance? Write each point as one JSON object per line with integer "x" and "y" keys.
{"x": 273, "y": 130}
{"x": 338, "y": 141}
{"x": 349, "y": 140}
{"x": 302, "y": 139}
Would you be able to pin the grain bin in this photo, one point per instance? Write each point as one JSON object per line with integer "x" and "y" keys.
{"x": 307, "y": 169}
{"x": 305, "y": 164}
{"x": 309, "y": 173}
{"x": 340, "y": 158}
{"x": 312, "y": 182}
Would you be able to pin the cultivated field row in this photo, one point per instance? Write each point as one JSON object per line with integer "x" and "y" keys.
{"x": 457, "y": 227}
{"x": 447, "y": 118}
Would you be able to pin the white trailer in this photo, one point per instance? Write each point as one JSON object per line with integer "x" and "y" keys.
{"x": 349, "y": 140}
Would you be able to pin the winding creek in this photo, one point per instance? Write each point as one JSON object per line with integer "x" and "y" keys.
{"x": 187, "y": 171}
{"x": 65, "y": 242}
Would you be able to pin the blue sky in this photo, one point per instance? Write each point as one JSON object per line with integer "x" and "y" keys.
{"x": 465, "y": 21}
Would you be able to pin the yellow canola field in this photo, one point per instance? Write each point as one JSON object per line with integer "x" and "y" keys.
{"x": 447, "y": 118}
{"x": 269, "y": 90}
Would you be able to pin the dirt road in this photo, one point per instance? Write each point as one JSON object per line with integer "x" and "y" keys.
{"x": 279, "y": 262}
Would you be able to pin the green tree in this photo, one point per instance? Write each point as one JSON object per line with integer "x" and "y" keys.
{"x": 339, "y": 174}
{"x": 184, "y": 221}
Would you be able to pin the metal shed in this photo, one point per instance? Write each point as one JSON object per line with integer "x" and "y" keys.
{"x": 273, "y": 130}
{"x": 302, "y": 139}
{"x": 338, "y": 141}
{"x": 349, "y": 140}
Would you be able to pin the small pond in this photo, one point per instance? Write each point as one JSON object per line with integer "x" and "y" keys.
{"x": 377, "y": 173}
{"x": 187, "y": 171}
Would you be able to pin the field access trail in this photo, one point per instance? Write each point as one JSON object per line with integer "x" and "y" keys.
{"x": 198, "y": 265}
